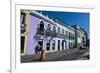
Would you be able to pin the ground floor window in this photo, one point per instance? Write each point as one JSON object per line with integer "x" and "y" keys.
{"x": 53, "y": 45}
{"x": 48, "y": 45}
{"x": 66, "y": 45}
{"x": 69, "y": 44}
{"x": 22, "y": 43}
{"x": 58, "y": 44}
{"x": 40, "y": 42}
{"x": 63, "y": 44}
{"x": 72, "y": 45}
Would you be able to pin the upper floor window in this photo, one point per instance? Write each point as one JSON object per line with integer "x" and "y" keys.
{"x": 66, "y": 33}
{"x": 23, "y": 22}
{"x": 58, "y": 29}
{"x": 63, "y": 31}
{"x": 69, "y": 35}
{"x": 73, "y": 36}
{"x": 78, "y": 35}
{"x": 49, "y": 27}
{"x": 23, "y": 18}
{"x": 54, "y": 29}
{"x": 41, "y": 25}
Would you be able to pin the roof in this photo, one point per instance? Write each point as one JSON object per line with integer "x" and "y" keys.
{"x": 78, "y": 28}
{"x": 61, "y": 22}
{"x": 54, "y": 21}
{"x": 41, "y": 16}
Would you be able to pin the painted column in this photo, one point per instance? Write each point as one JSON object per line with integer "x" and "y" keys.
{"x": 27, "y": 31}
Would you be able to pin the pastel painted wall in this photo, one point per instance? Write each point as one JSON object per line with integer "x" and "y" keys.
{"x": 34, "y": 21}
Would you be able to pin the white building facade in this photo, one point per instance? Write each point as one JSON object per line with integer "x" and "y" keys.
{"x": 48, "y": 33}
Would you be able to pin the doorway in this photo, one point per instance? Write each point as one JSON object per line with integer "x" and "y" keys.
{"x": 58, "y": 44}
{"x": 40, "y": 42}
{"x": 22, "y": 43}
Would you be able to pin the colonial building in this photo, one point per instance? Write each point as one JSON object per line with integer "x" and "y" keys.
{"x": 80, "y": 36}
{"x": 51, "y": 34}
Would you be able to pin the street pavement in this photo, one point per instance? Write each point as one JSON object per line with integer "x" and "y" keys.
{"x": 71, "y": 56}
{"x": 64, "y": 55}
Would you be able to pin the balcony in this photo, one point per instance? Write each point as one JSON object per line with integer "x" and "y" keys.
{"x": 61, "y": 35}
{"x": 40, "y": 31}
{"x": 65, "y": 36}
{"x": 50, "y": 33}
{"x": 72, "y": 38}
{"x": 23, "y": 28}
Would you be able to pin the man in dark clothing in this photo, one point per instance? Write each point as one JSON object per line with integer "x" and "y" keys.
{"x": 37, "y": 49}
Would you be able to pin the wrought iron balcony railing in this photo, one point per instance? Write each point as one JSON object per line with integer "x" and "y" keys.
{"x": 40, "y": 31}
{"x": 50, "y": 33}
{"x": 71, "y": 37}
{"x": 62, "y": 35}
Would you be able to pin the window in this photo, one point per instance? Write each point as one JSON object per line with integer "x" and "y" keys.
{"x": 41, "y": 25}
{"x": 63, "y": 44}
{"x": 69, "y": 44}
{"x": 58, "y": 29}
{"x": 40, "y": 42}
{"x": 23, "y": 25}
{"x": 40, "y": 28}
{"x": 66, "y": 45}
{"x": 83, "y": 38}
{"x": 53, "y": 45}
{"x": 48, "y": 46}
{"x": 78, "y": 35}
{"x": 58, "y": 44}
{"x": 69, "y": 35}
{"x": 22, "y": 44}
{"x": 54, "y": 29}
{"x": 63, "y": 31}
{"x": 72, "y": 44}
{"x": 66, "y": 33}
{"x": 49, "y": 27}
{"x": 23, "y": 18}
{"x": 73, "y": 36}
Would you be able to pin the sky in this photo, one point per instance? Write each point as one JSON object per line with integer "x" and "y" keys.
{"x": 71, "y": 18}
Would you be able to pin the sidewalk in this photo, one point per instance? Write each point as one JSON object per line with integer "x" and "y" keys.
{"x": 50, "y": 56}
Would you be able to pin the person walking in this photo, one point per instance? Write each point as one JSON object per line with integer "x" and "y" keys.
{"x": 42, "y": 55}
{"x": 37, "y": 49}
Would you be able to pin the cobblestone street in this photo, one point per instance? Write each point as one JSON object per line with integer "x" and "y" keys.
{"x": 64, "y": 55}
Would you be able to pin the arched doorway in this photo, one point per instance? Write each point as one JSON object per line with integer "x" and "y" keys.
{"x": 41, "y": 28}
{"x": 63, "y": 44}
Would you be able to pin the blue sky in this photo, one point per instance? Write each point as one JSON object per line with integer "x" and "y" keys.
{"x": 71, "y": 18}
